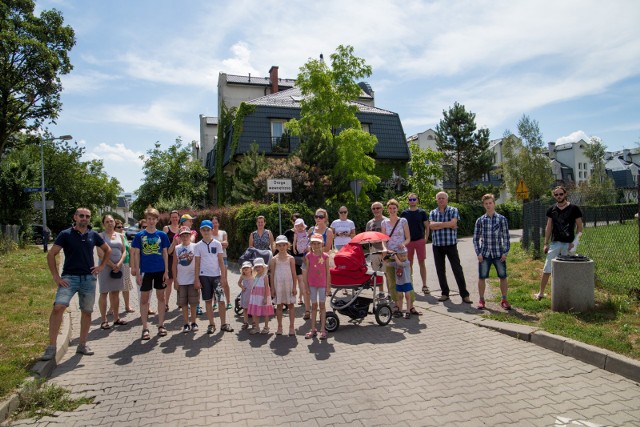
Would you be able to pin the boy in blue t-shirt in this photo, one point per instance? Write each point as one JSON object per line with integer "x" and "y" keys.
{"x": 150, "y": 265}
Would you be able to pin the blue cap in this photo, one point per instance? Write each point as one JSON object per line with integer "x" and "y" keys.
{"x": 206, "y": 223}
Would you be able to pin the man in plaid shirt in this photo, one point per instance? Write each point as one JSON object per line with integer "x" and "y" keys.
{"x": 443, "y": 222}
{"x": 491, "y": 243}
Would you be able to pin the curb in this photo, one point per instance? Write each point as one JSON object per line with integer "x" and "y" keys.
{"x": 596, "y": 356}
{"x": 41, "y": 369}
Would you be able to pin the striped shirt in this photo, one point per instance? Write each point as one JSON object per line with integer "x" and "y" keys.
{"x": 444, "y": 236}
{"x": 491, "y": 236}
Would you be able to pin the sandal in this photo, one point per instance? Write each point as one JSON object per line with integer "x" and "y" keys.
{"x": 414, "y": 311}
{"x": 162, "y": 331}
{"x": 425, "y": 290}
{"x": 323, "y": 335}
{"x": 292, "y": 332}
{"x": 145, "y": 335}
{"x": 307, "y": 315}
{"x": 279, "y": 331}
{"x": 265, "y": 330}
{"x": 129, "y": 310}
{"x": 311, "y": 334}
{"x": 120, "y": 322}
{"x": 105, "y": 325}
{"x": 244, "y": 327}
{"x": 211, "y": 329}
{"x": 254, "y": 330}
{"x": 226, "y": 327}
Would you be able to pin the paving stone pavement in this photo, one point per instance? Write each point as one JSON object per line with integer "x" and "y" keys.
{"x": 428, "y": 370}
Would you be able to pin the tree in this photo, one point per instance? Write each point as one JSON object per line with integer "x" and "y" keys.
{"x": 33, "y": 55}
{"x": 331, "y": 135}
{"x": 244, "y": 187}
{"x": 425, "y": 170}
{"x": 464, "y": 148}
{"x": 524, "y": 159}
{"x": 171, "y": 173}
{"x": 601, "y": 188}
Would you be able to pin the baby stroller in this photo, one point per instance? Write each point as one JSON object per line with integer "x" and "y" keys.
{"x": 249, "y": 255}
{"x": 353, "y": 274}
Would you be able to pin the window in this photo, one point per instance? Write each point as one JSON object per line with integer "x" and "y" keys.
{"x": 277, "y": 128}
{"x": 279, "y": 137}
{"x": 365, "y": 127}
{"x": 579, "y": 165}
{"x": 580, "y": 174}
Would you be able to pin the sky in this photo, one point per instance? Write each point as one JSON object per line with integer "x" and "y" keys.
{"x": 145, "y": 70}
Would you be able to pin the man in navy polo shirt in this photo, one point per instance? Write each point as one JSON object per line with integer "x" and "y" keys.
{"x": 419, "y": 230}
{"x": 78, "y": 276}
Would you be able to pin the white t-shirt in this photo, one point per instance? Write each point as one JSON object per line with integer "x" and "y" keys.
{"x": 186, "y": 267}
{"x": 220, "y": 237}
{"x": 342, "y": 231}
{"x": 208, "y": 254}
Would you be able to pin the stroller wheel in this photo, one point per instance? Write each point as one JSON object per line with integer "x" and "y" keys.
{"x": 332, "y": 321}
{"x": 238, "y": 309}
{"x": 383, "y": 315}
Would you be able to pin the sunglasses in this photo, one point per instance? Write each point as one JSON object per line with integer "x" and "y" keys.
{"x": 118, "y": 226}
{"x": 558, "y": 194}
{"x": 342, "y": 212}
{"x": 412, "y": 199}
{"x": 319, "y": 216}
{"x": 376, "y": 208}
{"x": 84, "y": 216}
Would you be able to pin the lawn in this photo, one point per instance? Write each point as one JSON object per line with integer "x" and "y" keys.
{"x": 26, "y": 297}
{"x": 613, "y": 324}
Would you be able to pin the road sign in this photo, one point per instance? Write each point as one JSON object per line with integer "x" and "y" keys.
{"x": 280, "y": 185}
{"x": 36, "y": 189}
{"x": 522, "y": 191}
{"x": 37, "y": 204}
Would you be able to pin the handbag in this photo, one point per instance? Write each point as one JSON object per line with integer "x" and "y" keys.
{"x": 115, "y": 274}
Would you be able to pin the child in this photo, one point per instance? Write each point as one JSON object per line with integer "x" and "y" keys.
{"x": 283, "y": 278}
{"x": 151, "y": 268}
{"x": 403, "y": 280}
{"x": 300, "y": 248}
{"x": 246, "y": 283}
{"x": 184, "y": 277}
{"x": 491, "y": 243}
{"x": 210, "y": 274}
{"x": 317, "y": 277}
{"x": 260, "y": 301}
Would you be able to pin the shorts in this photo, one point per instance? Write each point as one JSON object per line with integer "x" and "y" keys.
{"x": 225, "y": 261}
{"x": 84, "y": 285}
{"x": 419, "y": 248}
{"x": 318, "y": 295}
{"x": 188, "y": 294}
{"x": 485, "y": 266}
{"x": 406, "y": 287}
{"x": 152, "y": 281}
{"x": 555, "y": 249}
{"x": 211, "y": 288}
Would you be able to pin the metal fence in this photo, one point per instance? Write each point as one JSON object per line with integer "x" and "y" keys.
{"x": 11, "y": 232}
{"x": 611, "y": 238}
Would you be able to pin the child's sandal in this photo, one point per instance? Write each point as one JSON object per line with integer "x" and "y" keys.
{"x": 311, "y": 334}
{"x": 245, "y": 326}
{"x": 307, "y": 315}
{"x": 323, "y": 335}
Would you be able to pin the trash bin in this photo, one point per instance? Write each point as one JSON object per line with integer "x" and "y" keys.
{"x": 573, "y": 283}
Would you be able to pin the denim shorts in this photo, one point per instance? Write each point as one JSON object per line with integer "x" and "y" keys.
{"x": 84, "y": 285}
{"x": 485, "y": 266}
{"x": 555, "y": 249}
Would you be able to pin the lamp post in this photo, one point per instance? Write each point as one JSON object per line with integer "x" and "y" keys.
{"x": 45, "y": 232}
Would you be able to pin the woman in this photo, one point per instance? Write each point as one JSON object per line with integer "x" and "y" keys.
{"x": 221, "y": 236}
{"x": 343, "y": 228}
{"x": 397, "y": 229}
{"x": 321, "y": 227}
{"x": 172, "y": 231}
{"x": 110, "y": 279}
{"x": 126, "y": 269}
{"x": 261, "y": 238}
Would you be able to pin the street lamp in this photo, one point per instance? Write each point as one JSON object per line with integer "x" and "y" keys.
{"x": 45, "y": 231}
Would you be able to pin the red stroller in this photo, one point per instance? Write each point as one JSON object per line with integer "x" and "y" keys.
{"x": 353, "y": 274}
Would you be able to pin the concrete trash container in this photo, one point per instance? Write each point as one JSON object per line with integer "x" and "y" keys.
{"x": 573, "y": 283}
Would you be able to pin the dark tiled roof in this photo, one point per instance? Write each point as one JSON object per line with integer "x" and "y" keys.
{"x": 622, "y": 178}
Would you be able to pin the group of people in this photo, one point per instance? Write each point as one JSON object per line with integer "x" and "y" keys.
{"x": 160, "y": 259}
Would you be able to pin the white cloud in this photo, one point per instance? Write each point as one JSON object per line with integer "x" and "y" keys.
{"x": 117, "y": 153}
{"x": 573, "y": 137}
{"x": 88, "y": 82}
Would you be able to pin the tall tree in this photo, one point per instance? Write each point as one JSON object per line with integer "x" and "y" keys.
{"x": 601, "y": 188}
{"x": 331, "y": 135}
{"x": 244, "y": 187}
{"x": 169, "y": 173}
{"x": 464, "y": 147}
{"x": 425, "y": 170}
{"x": 524, "y": 159}
{"x": 33, "y": 55}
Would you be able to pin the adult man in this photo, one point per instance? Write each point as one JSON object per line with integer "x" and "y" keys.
{"x": 563, "y": 220}
{"x": 419, "y": 231}
{"x": 375, "y": 224}
{"x": 78, "y": 275}
{"x": 443, "y": 222}
{"x": 491, "y": 243}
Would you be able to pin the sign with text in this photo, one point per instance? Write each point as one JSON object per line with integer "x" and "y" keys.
{"x": 280, "y": 185}
{"x": 37, "y": 204}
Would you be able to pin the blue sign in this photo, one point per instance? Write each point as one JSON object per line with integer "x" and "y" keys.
{"x": 36, "y": 189}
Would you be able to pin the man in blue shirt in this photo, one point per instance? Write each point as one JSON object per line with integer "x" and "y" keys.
{"x": 491, "y": 243}
{"x": 443, "y": 222}
{"x": 78, "y": 276}
{"x": 419, "y": 230}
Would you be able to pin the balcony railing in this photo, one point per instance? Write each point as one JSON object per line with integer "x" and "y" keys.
{"x": 281, "y": 144}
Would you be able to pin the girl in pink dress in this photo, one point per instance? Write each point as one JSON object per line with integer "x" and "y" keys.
{"x": 260, "y": 301}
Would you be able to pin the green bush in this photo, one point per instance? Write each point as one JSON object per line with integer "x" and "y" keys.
{"x": 513, "y": 212}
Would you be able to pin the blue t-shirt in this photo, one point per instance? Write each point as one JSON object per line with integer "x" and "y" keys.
{"x": 78, "y": 250}
{"x": 416, "y": 220}
{"x": 151, "y": 246}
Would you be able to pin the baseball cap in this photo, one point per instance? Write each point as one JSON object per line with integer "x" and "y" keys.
{"x": 206, "y": 223}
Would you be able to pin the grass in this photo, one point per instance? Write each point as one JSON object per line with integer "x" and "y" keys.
{"x": 26, "y": 297}
{"x": 39, "y": 399}
{"x": 613, "y": 324}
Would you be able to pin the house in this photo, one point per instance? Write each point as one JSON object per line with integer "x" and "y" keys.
{"x": 275, "y": 101}
{"x": 624, "y": 168}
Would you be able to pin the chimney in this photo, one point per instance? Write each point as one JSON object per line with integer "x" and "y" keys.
{"x": 552, "y": 150}
{"x": 626, "y": 155}
{"x": 273, "y": 75}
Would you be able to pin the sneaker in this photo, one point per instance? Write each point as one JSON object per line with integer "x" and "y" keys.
{"x": 186, "y": 328}
{"x": 194, "y": 326}
{"x": 504, "y": 304}
{"x": 84, "y": 349}
{"x": 229, "y": 307}
{"x": 199, "y": 311}
{"x": 480, "y": 305}
{"x": 211, "y": 329}
{"x": 49, "y": 353}
{"x": 538, "y": 296}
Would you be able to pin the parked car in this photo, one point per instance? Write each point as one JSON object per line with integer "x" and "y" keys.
{"x": 37, "y": 234}
{"x": 131, "y": 232}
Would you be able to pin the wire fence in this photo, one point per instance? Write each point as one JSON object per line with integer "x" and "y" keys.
{"x": 611, "y": 238}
